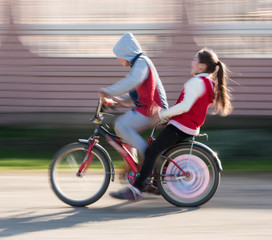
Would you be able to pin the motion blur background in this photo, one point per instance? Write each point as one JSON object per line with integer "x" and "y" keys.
{"x": 56, "y": 54}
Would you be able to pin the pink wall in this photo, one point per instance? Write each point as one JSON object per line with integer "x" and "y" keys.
{"x": 33, "y": 84}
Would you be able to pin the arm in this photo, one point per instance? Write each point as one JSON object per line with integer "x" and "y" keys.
{"x": 193, "y": 89}
{"x": 137, "y": 75}
{"x": 124, "y": 101}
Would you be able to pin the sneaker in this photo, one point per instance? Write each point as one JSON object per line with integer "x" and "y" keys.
{"x": 130, "y": 193}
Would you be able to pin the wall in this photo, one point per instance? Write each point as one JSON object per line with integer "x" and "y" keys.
{"x": 38, "y": 86}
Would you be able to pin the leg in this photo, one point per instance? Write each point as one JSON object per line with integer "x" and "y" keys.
{"x": 168, "y": 137}
{"x": 127, "y": 127}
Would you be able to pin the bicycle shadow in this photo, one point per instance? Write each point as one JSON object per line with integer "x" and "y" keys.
{"x": 28, "y": 222}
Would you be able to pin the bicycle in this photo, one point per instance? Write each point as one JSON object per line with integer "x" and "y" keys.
{"x": 187, "y": 174}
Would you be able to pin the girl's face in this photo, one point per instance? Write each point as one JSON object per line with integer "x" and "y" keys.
{"x": 197, "y": 67}
{"x": 124, "y": 62}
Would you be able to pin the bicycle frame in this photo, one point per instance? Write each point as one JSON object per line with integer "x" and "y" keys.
{"x": 119, "y": 146}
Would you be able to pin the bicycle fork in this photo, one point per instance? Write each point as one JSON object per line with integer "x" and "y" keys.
{"x": 87, "y": 160}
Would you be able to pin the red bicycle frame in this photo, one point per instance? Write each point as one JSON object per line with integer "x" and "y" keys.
{"x": 118, "y": 145}
{"x": 88, "y": 158}
{"x": 121, "y": 148}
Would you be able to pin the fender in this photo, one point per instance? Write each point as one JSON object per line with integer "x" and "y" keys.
{"x": 104, "y": 152}
{"x": 195, "y": 143}
{"x": 214, "y": 154}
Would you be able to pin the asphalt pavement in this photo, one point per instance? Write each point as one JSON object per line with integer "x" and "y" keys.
{"x": 240, "y": 209}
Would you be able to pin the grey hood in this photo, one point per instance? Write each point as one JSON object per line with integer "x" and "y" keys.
{"x": 127, "y": 47}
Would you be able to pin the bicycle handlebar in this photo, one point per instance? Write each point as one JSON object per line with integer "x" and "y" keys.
{"x": 99, "y": 108}
{"x": 98, "y": 117}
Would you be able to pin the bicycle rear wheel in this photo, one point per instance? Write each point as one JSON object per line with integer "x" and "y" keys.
{"x": 200, "y": 184}
{"x": 79, "y": 190}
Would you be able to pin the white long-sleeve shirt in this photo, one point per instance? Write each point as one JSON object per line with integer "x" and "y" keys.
{"x": 193, "y": 89}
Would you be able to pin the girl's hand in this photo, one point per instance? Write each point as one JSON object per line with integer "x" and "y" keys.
{"x": 155, "y": 118}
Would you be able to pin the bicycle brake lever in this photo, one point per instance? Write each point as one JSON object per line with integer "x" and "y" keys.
{"x": 108, "y": 114}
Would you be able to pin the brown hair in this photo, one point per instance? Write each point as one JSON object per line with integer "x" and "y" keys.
{"x": 220, "y": 72}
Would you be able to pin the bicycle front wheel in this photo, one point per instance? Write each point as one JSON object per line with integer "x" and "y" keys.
{"x": 84, "y": 189}
{"x": 201, "y": 182}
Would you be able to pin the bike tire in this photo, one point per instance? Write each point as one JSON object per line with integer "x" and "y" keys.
{"x": 82, "y": 190}
{"x": 192, "y": 191}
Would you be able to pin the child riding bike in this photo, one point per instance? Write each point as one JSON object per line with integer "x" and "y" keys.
{"x": 144, "y": 91}
{"x": 207, "y": 85}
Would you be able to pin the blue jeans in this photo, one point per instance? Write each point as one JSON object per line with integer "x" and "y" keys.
{"x": 127, "y": 127}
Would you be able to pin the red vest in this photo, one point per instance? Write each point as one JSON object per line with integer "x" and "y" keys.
{"x": 195, "y": 117}
{"x": 148, "y": 95}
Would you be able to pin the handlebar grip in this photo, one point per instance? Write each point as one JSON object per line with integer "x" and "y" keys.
{"x": 108, "y": 102}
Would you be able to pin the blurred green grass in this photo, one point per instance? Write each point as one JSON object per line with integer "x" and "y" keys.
{"x": 34, "y": 147}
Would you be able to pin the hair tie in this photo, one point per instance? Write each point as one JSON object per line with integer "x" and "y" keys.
{"x": 218, "y": 63}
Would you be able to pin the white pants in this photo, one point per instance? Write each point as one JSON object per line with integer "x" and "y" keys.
{"x": 127, "y": 127}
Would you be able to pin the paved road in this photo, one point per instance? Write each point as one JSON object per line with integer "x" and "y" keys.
{"x": 241, "y": 209}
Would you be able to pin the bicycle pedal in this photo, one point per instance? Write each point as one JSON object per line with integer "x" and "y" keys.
{"x": 151, "y": 189}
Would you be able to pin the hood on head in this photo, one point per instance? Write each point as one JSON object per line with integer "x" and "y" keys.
{"x": 127, "y": 47}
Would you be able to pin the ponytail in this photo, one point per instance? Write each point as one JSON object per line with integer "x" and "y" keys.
{"x": 222, "y": 101}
